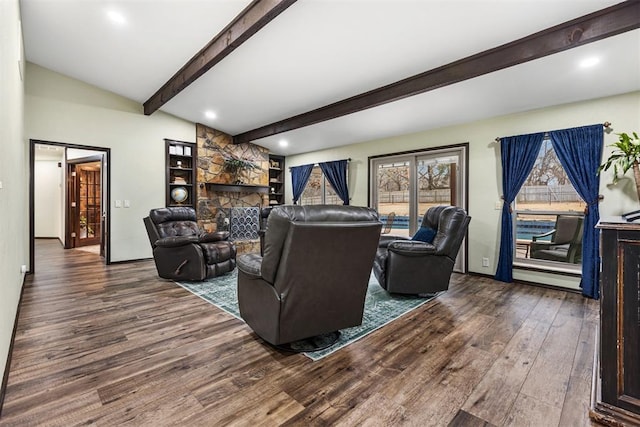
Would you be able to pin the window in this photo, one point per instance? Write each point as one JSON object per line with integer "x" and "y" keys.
{"x": 318, "y": 191}
{"x": 548, "y": 216}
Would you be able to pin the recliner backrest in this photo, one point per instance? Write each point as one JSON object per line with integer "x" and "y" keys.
{"x": 319, "y": 259}
{"x": 283, "y": 219}
{"x": 175, "y": 221}
{"x": 431, "y": 217}
{"x": 452, "y": 228}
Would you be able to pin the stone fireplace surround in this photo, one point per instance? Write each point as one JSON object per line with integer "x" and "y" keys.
{"x": 217, "y": 196}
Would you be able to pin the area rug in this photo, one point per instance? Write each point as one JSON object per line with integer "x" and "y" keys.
{"x": 380, "y": 307}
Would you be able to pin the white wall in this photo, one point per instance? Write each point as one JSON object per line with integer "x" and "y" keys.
{"x": 484, "y": 167}
{"x": 14, "y": 174}
{"x": 48, "y": 199}
{"x": 61, "y": 109}
{"x": 75, "y": 153}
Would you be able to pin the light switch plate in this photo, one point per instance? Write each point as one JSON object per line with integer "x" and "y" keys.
{"x": 118, "y": 203}
{"x": 127, "y": 204}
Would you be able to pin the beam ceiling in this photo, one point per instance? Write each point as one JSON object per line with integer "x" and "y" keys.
{"x": 255, "y": 16}
{"x": 605, "y": 23}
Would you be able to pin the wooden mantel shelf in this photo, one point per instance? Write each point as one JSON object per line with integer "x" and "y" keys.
{"x": 238, "y": 188}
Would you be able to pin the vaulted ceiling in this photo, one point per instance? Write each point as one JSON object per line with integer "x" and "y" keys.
{"x": 319, "y": 52}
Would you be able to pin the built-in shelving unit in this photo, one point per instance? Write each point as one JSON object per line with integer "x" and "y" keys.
{"x": 180, "y": 175}
{"x": 276, "y": 180}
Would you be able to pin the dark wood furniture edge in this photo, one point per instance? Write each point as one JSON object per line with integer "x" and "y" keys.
{"x": 595, "y": 26}
{"x": 7, "y": 366}
{"x": 609, "y": 415}
{"x": 601, "y": 412}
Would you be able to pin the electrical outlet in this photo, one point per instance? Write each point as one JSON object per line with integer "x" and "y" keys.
{"x": 485, "y": 262}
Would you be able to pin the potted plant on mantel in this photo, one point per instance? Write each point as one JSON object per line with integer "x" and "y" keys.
{"x": 237, "y": 167}
{"x": 626, "y": 156}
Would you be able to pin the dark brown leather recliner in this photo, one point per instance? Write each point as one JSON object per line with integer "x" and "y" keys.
{"x": 181, "y": 251}
{"x": 314, "y": 275}
{"x": 406, "y": 266}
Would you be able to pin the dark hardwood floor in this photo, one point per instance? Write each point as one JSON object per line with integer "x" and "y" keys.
{"x": 117, "y": 345}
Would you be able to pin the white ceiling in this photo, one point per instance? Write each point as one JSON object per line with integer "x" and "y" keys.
{"x": 322, "y": 51}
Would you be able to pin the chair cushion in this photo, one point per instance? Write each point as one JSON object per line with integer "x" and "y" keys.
{"x": 425, "y": 234}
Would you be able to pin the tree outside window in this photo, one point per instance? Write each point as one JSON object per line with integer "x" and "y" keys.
{"x": 544, "y": 203}
{"x": 319, "y": 191}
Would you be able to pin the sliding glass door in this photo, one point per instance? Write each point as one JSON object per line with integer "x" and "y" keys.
{"x": 409, "y": 184}
{"x": 392, "y": 182}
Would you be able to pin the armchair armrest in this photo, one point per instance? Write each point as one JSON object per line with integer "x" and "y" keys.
{"x": 411, "y": 248}
{"x": 385, "y": 240}
{"x": 172, "y": 242}
{"x": 538, "y": 236}
{"x": 216, "y": 236}
{"x": 250, "y": 264}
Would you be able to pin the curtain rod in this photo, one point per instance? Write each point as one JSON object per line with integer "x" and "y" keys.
{"x": 316, "y": 164}
{"x": 607, "y": 125}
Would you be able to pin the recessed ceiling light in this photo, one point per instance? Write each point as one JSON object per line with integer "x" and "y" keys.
{"x": 283, "y": 143}
{"x": 116, "y": 17}
{"x": 210, "y": 115}
{"x": 589, "y": 62}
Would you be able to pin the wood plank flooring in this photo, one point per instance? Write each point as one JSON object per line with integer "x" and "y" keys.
{"x": 116, "y": 345}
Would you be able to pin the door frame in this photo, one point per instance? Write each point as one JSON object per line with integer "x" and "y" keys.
{"x": 107, "y": 208}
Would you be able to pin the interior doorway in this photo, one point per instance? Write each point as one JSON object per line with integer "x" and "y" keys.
{"x": 69, "y": 197}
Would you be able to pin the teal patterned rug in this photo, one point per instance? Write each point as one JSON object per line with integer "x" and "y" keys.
{"x": 380, "y": 307}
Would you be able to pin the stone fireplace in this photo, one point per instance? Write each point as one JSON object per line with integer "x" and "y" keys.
{"x": 224, "y": 204}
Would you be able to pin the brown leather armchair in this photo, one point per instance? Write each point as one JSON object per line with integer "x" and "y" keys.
{"x": 314, "y": 275}
{"x": 181, "y": 251}
{"x": 406, "y": 266}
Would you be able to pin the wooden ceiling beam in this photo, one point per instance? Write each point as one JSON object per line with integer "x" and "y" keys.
{"x": 605, "y": 23}
{"x": 255, "y": 16}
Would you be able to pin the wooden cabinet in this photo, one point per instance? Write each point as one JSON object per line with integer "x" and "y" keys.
{"x": 617, "y": 400}
{"x": 276, "y": 180}
{"x": 180, "y": 175}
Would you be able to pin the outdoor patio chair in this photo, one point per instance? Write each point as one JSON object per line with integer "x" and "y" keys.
{"x": 565, "y": 244}
{"x": 389, "y": 224}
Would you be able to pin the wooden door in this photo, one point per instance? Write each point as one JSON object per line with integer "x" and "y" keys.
{"x": 85, "y": 204}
